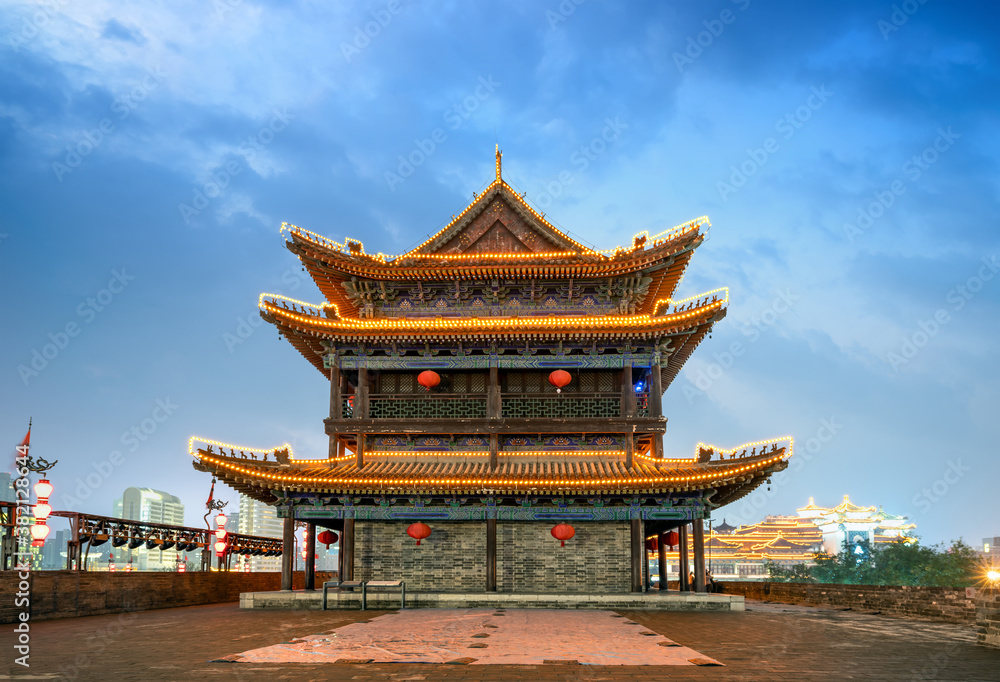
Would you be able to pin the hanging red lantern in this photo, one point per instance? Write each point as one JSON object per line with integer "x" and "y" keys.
{"x": 563, "y": 532}
{"x": 652, "y": 545}
{"x": 673, "y": 538}
{"x": 327, "y": 537}
{"x": 559, "y": 379}
{"x": 428, "y": 379}
{"x": 419, "y": 530}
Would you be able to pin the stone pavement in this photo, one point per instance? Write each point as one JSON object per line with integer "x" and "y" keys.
{"x": 767, "y": 642}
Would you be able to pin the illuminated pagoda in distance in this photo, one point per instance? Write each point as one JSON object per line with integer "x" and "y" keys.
{"x": 496, "y": 381}
{"x": 847, "y": 522}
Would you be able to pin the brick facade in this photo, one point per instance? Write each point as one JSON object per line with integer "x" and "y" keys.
{"x": 988, "y": 618}
{"x": 948, "y": 604}
{"x": 452, "y": 559}
{"x": 529, "y": 559}
{"x": 66, "y": 594}
{"x": 596, "y": 559}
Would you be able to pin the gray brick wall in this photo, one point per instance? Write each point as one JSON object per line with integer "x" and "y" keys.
{"x": 452, "y": 559}
{"x": 529, "y": 559}
{"x": 948, "y": 604}
{"x": 596, "y": 559}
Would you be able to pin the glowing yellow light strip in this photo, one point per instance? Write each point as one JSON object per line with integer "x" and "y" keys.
{"x": 675, "y": 231}
{"x": 274, "y": 298}
{"x": 231, "y": 446}
{"x": 502, "y": 453}
{"x": 497, "y": 482}
{"x": 680, "y": 460}
{"x": 668, "y": 302}
{"x": 746, "y": 446}
{"x": 470, "y": 256}
{"x": 590, "y": 321}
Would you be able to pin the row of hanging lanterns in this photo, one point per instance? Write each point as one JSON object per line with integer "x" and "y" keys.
{"x": 40, "y": 530}
{"x": 670, "y": 540}
{"x": 560, "y": 378}
{"x": 220, "y": 535}
{"x": 421, "y": 531}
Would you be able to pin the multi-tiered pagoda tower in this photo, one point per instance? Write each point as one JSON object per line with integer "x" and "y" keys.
{"x": 493, "y": 455}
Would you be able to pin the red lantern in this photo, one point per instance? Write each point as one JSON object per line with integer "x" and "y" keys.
{"x": 563, "y": 532}
{"x": 419, "y": 530}
{"x": 327, "y": 537}
{"x": 673, "y": 538}
{"x": 560, "y": 378}
{"x": 428, "y": 379}
{"x": 652, "y": 545}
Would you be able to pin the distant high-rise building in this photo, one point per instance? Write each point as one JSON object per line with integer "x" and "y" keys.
{"x": 149, "y": 506}
{"x": 991, "y": 547}
{"x": 6, "y": 487}
{"x": 257, "y": 518}
{"x": 152, "y": 506}
{"x": 54, "y": 551}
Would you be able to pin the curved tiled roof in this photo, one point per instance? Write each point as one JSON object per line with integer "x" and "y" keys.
{"x": 516, "y": 473}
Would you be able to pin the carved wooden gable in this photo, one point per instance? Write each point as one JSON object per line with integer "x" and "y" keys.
{"x": 499, "y": 228}
{"x": 499, "y": 222}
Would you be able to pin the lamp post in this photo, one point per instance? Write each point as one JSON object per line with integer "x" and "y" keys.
{"x": 220, "y": 543}
{"x": 220, "y": 537}
{"x": 43, "y": 491}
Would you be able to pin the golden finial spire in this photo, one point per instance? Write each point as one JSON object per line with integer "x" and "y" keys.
{"x": 499, "y": 156}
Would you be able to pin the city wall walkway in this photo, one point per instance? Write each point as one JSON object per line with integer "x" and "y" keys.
{"x": 766, "y": 642}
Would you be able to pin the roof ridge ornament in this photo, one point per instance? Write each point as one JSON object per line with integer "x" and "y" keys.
{"x": 499, "y": 158}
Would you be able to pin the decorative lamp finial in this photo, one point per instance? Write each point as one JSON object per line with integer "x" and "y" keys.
{"x": 499, "y": 156}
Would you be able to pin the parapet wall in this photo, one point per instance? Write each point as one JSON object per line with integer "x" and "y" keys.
{"x": 66, "y": 594}
{"x": 946, "y": 604}
{"x": 988, "y": 618}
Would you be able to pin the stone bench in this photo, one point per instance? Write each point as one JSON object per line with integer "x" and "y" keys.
{"x": 341, "y": 584}
{"x": 381, "y": 584}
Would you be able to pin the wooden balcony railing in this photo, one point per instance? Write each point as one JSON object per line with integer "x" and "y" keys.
{"x": 547, "y": 405}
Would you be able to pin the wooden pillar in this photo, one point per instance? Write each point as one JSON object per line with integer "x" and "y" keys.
{"x": 336, "y": 403}
{"x": 336, "y": 400}
{"x": 683, "y": 558}
{"x": 340, "y": 555}
{"x": 661, "y": 558}
{"x": 347, "y": 549}
{"x": 491, "y": 555}
{"x": 629, "y": 449}
{"x": 656, "y": 404}
{"x": 638, "y": 550}
{"x": 287, "y": 552}
{"x": 493, "y": 407}
{"x": 494, "y": 450}
{"x": 310, "y": 556}
{"x": 361, "y": 412}
{"x": 628, "y": 391}
{"x": 699, "y": 555}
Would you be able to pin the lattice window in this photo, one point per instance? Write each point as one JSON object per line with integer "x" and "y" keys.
{"x": 427, "y": 408}
{"x": 477, "y": 383}
{"x": 562, "y": 407}
{"x": 528, "y": 382}
{"x": 396, "y": 382}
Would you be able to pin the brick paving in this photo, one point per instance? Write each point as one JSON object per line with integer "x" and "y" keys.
{"x": 767, "y": 642}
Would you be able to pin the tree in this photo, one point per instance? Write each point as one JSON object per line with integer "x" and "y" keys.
{"x": 798, "y": 573}
{"x": 897, "y": 563}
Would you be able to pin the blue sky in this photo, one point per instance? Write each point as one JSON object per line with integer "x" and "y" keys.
{"x": 846, "y": 154}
